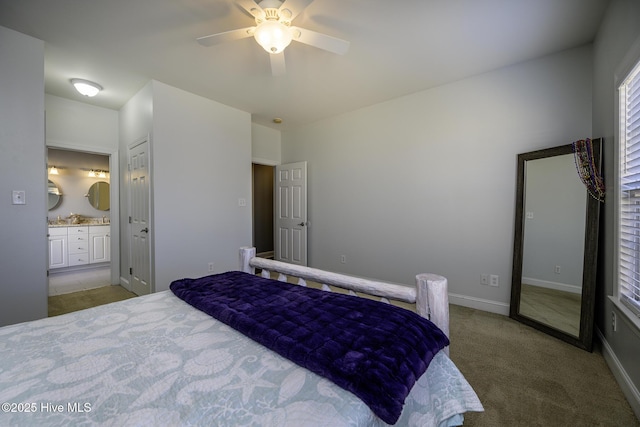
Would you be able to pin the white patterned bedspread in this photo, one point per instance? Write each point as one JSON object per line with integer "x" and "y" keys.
{"x": 156, "y": 361}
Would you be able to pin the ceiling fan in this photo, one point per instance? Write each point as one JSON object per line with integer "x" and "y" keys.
{"x": 274, "y": 32}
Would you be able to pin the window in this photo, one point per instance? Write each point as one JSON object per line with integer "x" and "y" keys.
{"x": 629, "y": 193}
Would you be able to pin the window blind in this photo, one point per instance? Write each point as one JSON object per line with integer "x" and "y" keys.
{"x": 629, "y": 221}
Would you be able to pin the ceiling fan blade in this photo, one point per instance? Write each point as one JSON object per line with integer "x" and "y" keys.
{"x": 252, "y": 7}
{"x": 292, "y": 8}
{"x": 319, "y": 40}
{"x": 277, "y": 64}
{"x": 227, "y": 36}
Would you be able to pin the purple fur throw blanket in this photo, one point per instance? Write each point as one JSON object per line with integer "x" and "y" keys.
{"x": 376, "y": 351}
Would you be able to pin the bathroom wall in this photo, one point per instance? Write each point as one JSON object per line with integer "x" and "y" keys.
{"x": 74, "y": 182}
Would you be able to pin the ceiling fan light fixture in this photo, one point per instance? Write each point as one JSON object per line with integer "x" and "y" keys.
{"x": 273, "y": 36}
{"x": 86, "y": 87}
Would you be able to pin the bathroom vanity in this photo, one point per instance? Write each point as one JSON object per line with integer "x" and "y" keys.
{"x": 79, "y": 245}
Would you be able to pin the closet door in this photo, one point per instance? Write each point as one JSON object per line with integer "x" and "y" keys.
{"x": 139, "y": 227}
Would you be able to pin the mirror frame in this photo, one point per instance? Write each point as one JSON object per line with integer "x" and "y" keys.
{"x": 49, "y": 194}
{"x": 587, "y": 308}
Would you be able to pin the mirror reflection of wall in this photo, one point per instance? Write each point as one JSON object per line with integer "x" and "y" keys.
{"x": 73, "y": 176}
{"x": 553, "y": 249}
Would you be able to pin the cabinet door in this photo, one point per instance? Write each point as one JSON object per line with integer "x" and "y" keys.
{"x": 99, "y": 248}
{"x": 58, "y": 252}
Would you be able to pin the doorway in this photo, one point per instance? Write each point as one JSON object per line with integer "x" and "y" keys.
{"x": 263, "y": 181}
{"x": 73, "y": 183}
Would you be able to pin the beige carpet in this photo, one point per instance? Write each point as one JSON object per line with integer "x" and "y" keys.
{"x": 526, "y": 378}
{"x": 66, "y": 303}
{"x": 523, "y": 377}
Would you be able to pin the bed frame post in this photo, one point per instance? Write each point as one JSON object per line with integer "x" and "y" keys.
{"x": 246, "y": 253}
{"x": 432, "y": 300}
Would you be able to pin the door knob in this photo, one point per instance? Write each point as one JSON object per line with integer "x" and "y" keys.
{"x": 145, "y": 230}
{"x": 302, "y": 224}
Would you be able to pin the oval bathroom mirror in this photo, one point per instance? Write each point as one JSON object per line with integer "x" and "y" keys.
{"x": 99, "y": 195}
{"x": 54, "y": 195}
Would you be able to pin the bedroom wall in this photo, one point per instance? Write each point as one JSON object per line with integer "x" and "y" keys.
{"x": 76, "y": 124}
{"x": 135, "y": 120}
{"x": 617, "y": 46}
{"x": 23, "y": 229}
{"x": 426, "y": 182}
{"x": 265, "y": 145}
{"x": 201, "y": 170}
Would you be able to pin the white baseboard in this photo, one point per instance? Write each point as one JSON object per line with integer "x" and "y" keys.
{"x": 628, "y": 388}
{"x": 480, "y": 304}
{"x": 71, "y": 288}
{"x": 553, "y": 285}
{"x": 125, "y": 284}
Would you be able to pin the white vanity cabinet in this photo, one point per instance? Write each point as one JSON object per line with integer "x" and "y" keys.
{"x": 71, "y": 246}
{"x": 99, "y": 243}
{"x": 58, "y": 255}
{"x": 78, "y": 245}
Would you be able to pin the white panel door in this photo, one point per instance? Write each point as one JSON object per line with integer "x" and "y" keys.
{"x": 291, "y": 213}
{"x": 139, "y": 205}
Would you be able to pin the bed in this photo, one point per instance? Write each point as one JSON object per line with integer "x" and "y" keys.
{"x": 158, "y": 360}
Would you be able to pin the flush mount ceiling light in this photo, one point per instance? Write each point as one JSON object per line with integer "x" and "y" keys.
{"x": 85, "y": 87}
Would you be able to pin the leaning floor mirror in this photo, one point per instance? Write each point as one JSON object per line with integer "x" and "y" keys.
{"x": 556, "y": 241}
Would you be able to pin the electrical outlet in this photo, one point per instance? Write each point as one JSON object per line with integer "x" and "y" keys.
{"x": 613, "y": 321}
{"x": 484, "y": 279}
{"x": 210, "y": 267}
{"x": 343, "y": 259}
{"x": 494, "y": 280}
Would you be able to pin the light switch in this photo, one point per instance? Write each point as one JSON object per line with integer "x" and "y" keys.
{"x": 242, "y": 202}
{"x": 18, "y": 197}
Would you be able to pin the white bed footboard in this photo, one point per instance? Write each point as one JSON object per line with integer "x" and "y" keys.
{"x": 430, "y": 294}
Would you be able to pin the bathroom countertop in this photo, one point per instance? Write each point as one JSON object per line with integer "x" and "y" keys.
{"x": 97, "y": 221}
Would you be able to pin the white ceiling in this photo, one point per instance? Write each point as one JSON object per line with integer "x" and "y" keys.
{"x": 397, "y": 47}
